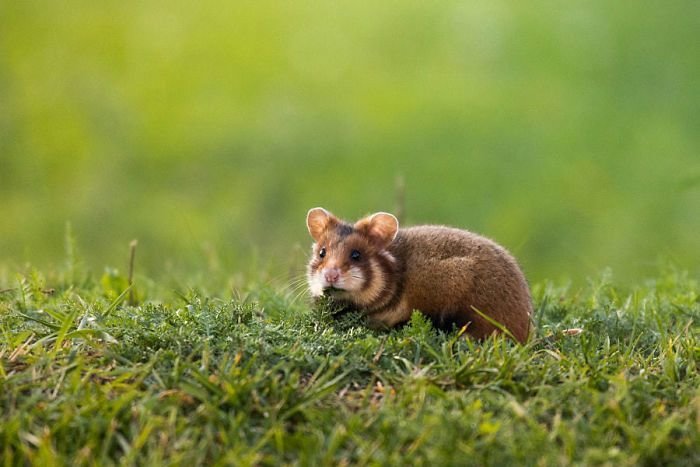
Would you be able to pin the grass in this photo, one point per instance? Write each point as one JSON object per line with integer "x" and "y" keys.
{"x": 253, "y": 376}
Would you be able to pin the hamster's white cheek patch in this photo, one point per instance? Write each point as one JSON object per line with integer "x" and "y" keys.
{"x": 354, "y": 279}
{"x": 316, "y": 285}
{"x": 377, "y": 284}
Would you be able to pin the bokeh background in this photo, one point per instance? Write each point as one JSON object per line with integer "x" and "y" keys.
{"x": 568, "y": 132}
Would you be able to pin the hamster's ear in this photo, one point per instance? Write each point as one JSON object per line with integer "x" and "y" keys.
{"x": 381, "y": 227}
{"x": 318, "y": 220}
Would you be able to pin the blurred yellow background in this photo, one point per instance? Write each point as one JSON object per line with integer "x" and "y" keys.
{"x": 570, "y": 133}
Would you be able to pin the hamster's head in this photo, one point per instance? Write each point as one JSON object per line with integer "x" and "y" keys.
{"x": 350, "y": 262}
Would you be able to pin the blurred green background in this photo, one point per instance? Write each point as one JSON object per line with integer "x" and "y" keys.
{"x": 568, "y": 132}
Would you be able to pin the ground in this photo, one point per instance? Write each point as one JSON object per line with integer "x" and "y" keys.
{"x": 186, "y": 375}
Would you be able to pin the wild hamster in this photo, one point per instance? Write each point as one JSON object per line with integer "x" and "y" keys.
{"x": 446, "y": 273}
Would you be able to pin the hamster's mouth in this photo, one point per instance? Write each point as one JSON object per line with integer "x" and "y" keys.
{"x": 331, "y": 290}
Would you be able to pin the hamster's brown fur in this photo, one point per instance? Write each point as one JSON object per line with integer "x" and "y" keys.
{"x": 445, "y": 273}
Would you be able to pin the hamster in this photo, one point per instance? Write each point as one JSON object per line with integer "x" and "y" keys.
{"x": 445, "y": 273}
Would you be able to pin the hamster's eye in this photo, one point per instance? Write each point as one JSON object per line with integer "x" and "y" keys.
{"x": 322, "y": 253}
{"x": 355, "y": 255}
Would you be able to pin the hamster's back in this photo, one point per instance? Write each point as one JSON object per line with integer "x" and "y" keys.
{"x": 448, "y": 272}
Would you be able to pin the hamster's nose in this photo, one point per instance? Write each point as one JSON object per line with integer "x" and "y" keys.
{"x": 332, "y": 275}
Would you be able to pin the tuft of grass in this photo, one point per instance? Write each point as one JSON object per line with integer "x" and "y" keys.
{"x": 258, "y": 377}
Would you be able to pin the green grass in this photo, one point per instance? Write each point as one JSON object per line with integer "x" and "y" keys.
{"x": 252, "y": 376}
